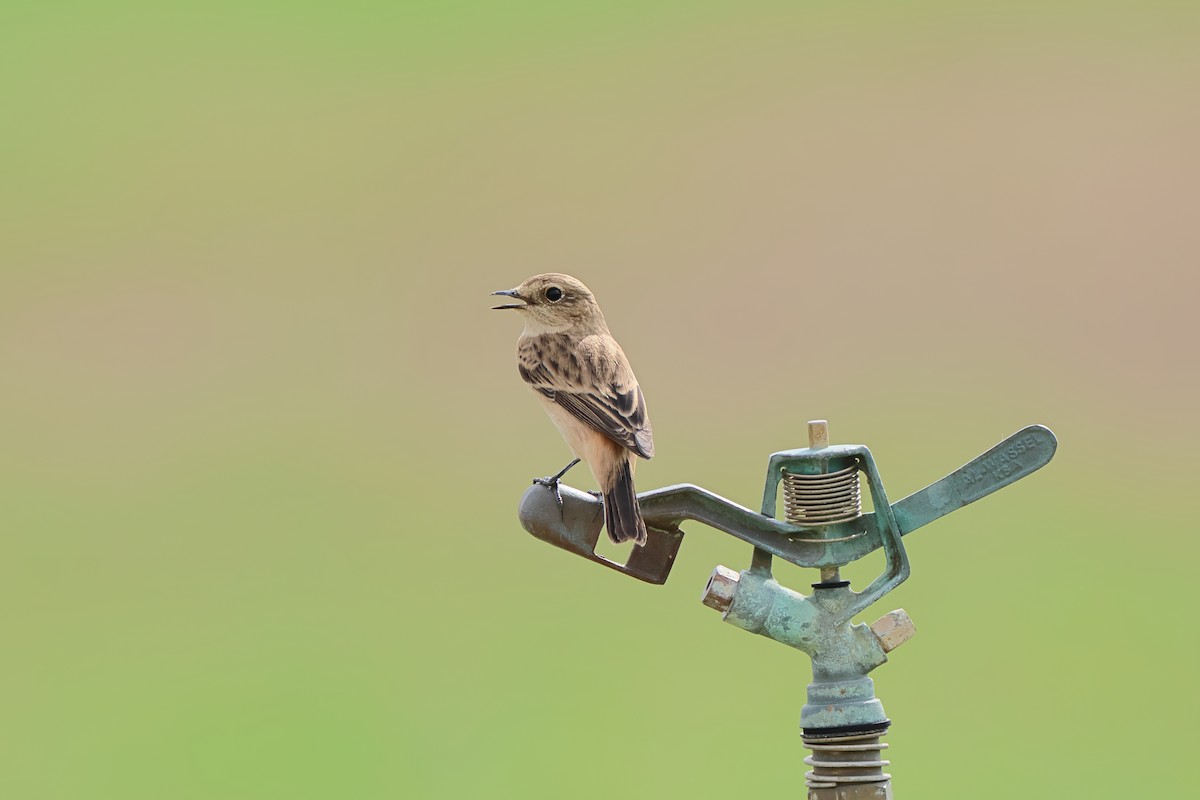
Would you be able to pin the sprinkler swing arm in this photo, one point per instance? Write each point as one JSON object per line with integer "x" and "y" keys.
{"x": 576, "y": 525}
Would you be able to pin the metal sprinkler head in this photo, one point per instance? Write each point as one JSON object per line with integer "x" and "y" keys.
{"x": 824, "y": 528}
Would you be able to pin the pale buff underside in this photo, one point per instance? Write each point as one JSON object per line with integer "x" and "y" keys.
{"x": 601, "y": 453}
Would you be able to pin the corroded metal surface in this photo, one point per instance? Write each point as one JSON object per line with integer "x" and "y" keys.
{"x": 1026, "y": 451}
{"x": 719, "y": 591}
{"x": 842, "y": 653}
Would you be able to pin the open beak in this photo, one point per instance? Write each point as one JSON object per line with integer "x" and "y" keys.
{"x": 509, "y": 293}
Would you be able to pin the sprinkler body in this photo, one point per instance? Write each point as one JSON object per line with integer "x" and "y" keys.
{"x": 842, "y": 653}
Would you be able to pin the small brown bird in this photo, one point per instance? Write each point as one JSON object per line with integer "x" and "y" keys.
{"x": 584, "y": 381}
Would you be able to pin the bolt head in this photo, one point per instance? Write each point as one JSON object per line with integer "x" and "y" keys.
{"x": 893, "y": 629}
{"x": 818, "y": 434}
{"x": 722, "y": 585}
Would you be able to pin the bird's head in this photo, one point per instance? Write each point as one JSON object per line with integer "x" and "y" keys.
{"x": 554, "y": 302}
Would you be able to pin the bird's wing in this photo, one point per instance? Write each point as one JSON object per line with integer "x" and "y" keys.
{"x": 592, "y": 380}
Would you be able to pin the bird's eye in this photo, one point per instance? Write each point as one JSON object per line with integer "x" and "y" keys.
{"x": 554, "y": 294}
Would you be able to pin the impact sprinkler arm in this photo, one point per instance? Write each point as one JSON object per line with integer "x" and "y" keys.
{"x": 576, "y": 525}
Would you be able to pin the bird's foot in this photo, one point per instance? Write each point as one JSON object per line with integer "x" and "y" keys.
{"x": 552, "y": 481}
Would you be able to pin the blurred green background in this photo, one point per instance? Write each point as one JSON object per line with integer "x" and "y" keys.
{"x": 263, "y": 440}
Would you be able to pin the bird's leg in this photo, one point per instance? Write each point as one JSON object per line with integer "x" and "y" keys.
{"x": 552, "y": 481}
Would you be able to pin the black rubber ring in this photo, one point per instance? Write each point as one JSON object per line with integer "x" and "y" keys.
{"x": 830, "y": 584}
{"x": 877, "y": 728}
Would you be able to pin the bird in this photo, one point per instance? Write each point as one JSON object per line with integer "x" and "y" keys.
{"x": 581, "y": 376}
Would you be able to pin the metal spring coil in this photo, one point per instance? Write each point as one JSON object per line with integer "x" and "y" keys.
{"x": 822, "y": 499}
{"x": 845, "y": 760}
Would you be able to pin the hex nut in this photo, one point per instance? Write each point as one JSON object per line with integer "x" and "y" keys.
{"x": 893, "y": 629}
{"x": 721, "y": 587}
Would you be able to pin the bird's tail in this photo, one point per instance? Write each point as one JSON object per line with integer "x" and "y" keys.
{"x": 622, "y": 515}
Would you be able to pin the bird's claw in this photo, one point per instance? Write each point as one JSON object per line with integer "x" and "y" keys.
{"x": 552, "y": 481}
